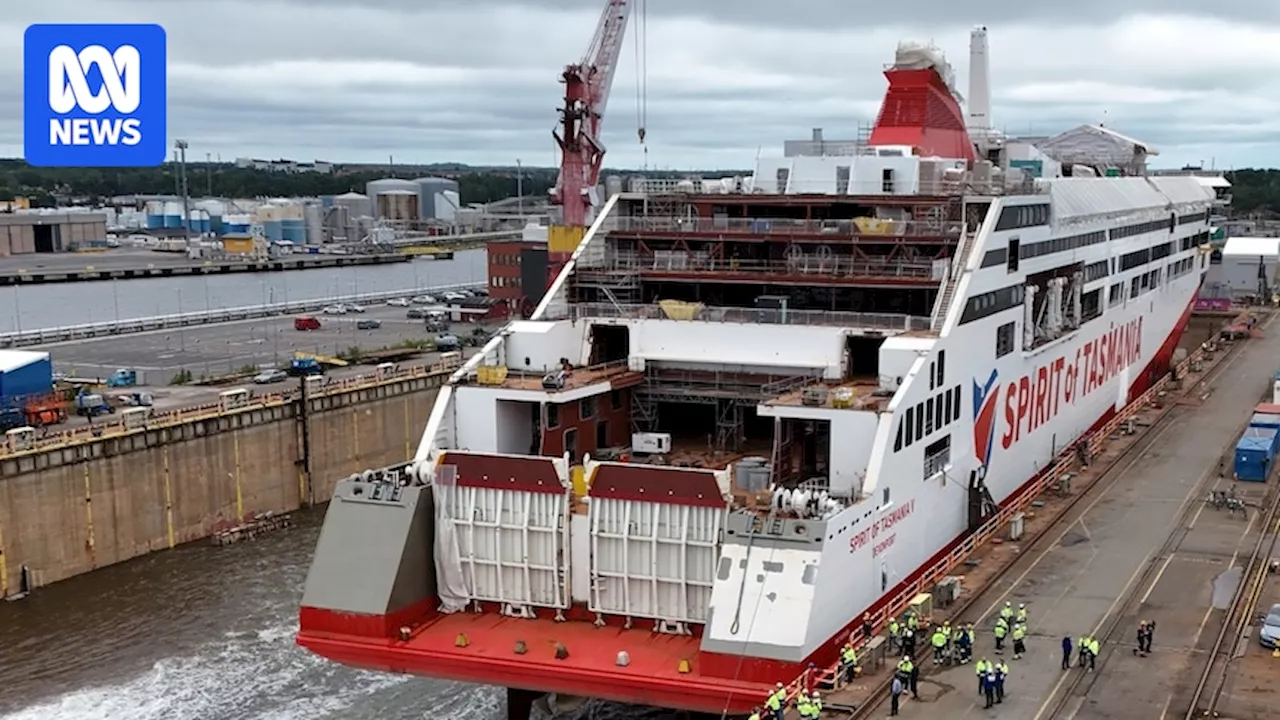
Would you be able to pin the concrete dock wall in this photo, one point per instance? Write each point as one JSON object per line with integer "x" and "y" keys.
{"x": 69, "y": 509}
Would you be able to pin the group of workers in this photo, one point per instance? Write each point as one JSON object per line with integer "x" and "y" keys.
{"x": 951, "y": 646}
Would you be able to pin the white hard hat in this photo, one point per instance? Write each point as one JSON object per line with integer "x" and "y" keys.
{"x": 1022, "y": 605}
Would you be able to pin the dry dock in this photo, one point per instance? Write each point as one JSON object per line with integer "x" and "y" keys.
{"x": 1140, "y": 544}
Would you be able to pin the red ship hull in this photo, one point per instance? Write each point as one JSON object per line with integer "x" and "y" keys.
{"x": 662, "y": 670}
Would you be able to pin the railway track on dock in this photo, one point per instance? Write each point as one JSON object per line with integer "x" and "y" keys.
{"x": 1235, "y": 624}
{"x": 1113, "y": 632}
{"x": 1045, "y": 540}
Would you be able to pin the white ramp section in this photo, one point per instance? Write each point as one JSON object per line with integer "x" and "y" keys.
{"x": 763, "y": 599}
{"x": 511, "y": 516}
{"x": 655, "y": 536}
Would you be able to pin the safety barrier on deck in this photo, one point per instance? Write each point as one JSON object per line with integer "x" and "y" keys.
{"x": 1066, "y": 462}
{"x": 205, "y": 317}
{"x": 231, "y": 403}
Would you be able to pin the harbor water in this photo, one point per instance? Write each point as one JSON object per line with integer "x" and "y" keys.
{"x": 61, "y": 304}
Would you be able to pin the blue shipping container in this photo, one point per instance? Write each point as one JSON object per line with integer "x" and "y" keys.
{"x": 1271, "y": 436}
{"x": 24, "y": 374}
{"x": 1253, "y": 459}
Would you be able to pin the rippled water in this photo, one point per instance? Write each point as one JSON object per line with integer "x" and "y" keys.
{"x": 198, "y": 633}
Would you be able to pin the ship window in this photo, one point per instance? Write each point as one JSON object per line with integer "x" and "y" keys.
{"x": 938, "y": 418}
{"x": 1116, "y": 294}
{"x": 897, "y": 440}
{"x": 886, "y": 181}
{"x": 885, "y": 497}
{"x": 1011, "y": 264}
{"x": 937, "y": 456}
{"x": 587, "y": 408}
{"x": 571, "y": 444}
{"x": 928, "y": 416}
{"x": 942, "y": 363}
{"x": 772, "y": 567}
{"x": 1004, "y": 339}
{"x": 956, "y": 404}
{"x": 919, "y": 421}
{"x": 1134, "y": 288}
{"x": 810, "y": 574}
{"x": 910, "y": 422}
{"x": 615, "y": 399}
{"x": 553, "y": 416}
{"x": 947, "y": 402}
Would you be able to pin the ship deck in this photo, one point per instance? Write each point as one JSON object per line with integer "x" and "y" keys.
{"x": 850, "y": 395}
{"x": 1097, "y": 571}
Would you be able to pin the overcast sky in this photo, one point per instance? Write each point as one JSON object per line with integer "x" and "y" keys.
{"x": 477, "y": 81}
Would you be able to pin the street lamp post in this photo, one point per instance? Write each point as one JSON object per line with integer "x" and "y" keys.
{"x": 520, "y": 187}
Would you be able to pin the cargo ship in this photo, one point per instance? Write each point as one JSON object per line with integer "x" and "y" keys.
{"x": 748, "y": 412}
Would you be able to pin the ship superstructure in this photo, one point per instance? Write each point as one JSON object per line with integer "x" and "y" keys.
{"x": 749, "y": 410}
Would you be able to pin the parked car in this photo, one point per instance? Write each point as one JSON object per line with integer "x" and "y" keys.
{"x": 1269, "y": 628}
{"x": 416, "y": 314}
{"x": 368, "y": 324}
{"x": 424, "y": 300}
{"x": 306, "y": 322}
{"x": 446, "y": 343}
{"x": 454, "y": 296}
{"x": 354, "y": 308}
{"x": 398, "y": 302}
{"x": 437, "y": 325}
{"x": 336, "y": 310}
{"x": 266, "y": 377}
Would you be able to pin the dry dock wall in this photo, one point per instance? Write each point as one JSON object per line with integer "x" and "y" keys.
{"x": 68, "y": 510}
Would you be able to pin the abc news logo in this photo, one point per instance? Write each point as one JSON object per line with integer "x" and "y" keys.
{"x": 69, "y": 91}
{"x": 94, "y": 95}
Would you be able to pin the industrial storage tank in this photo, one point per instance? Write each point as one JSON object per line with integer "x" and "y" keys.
{"x": 236, "y": 224}
{"x": 428, "y": 189}
{"x": 313, "y": 220}
{"x": 338, "y": 225}
{"x": 357, "y": 205}
{"x": 406, "y": 192}
{"x": 199, "y": 221}
{"x": 398, "y": 205}
{"x": 154, "y": 214}
{"x": 173, "y": 215}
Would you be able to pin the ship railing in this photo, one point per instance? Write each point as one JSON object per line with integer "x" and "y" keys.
{"x": 940, "y": 188}
{"x": 866, "y": 227}
{"x": 84, "y": 331}
{"x": 50, "y": 439}
{"x": 679, "y": 261}
{"x": 696, "y": 312}
{"x": 483, "y": 374}
{"x": 1065, "y": 463}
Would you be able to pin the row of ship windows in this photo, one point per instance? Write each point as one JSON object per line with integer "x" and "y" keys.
{"x": 1006, "y": 334}
{"x": 1016, "y": 217}
{"x": 990, "y": 303}
{"x": 1001, "y": 256}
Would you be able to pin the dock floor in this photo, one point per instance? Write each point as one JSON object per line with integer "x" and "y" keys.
{"x": 1080, "y": 578}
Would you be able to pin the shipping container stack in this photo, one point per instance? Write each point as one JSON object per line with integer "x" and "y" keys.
{"x": 1257, "y": 448}
{"x": 26, "y": 378}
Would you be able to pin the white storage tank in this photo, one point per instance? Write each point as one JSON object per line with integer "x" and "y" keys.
{"x": 173, "y": 215}
{"x": 357, "y": 204}
{"x": 429, "y": 190}
{"x": 313, "y": 221}
{"x": 154, "y": 213}
{"x": 612, "y": 186}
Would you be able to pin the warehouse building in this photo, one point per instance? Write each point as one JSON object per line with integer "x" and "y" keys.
{"x": 26, "y": 233}
{"x": 1248, "y": 267}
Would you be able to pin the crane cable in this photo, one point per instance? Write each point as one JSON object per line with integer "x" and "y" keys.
{"x": 642, "y": 71}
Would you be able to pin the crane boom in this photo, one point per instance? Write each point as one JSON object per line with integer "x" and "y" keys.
{"x": 586, "y": 94}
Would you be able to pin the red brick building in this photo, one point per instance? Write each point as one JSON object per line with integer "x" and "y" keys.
{"x": 517, "y": 275}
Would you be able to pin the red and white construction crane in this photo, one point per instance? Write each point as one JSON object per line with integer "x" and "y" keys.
{"x": 586, "y": 92}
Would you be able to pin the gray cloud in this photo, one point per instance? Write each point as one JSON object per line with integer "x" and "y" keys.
{"x": 477, "y": 82}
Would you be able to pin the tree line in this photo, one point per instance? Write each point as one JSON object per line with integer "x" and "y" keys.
{"x": 48, "y": 187}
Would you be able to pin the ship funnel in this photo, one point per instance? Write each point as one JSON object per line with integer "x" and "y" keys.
{"x": 979, "y": 80}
